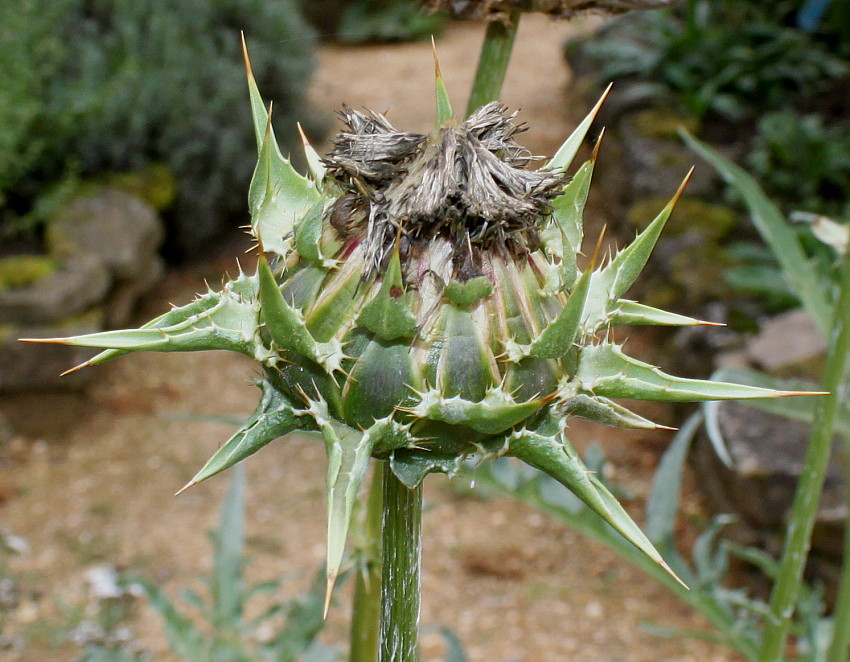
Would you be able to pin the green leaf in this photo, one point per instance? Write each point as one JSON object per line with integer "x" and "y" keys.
{"x": 602, "y": 410}
{"x": 278, "y": 198}
{"x": 443, "y": 102}
{"x": 274, "y": 417}
{"x": 411, "y": 466}
{"x": 610, "y": 283}
{"x": 566, "y": 152}
{"x": 287, "y": 327}
{"x": 663, "y": 501}
{"x": 216, "y": 320}
{"x": 605, "y": 370}
{"x": 304, "y": 620}
{"x": 226, "y": 584}
{"x": 308, "y": 236}
{"x": 314, "y": 161}
{"x": 348, "y": 452}
{"x": 808, "y": 278}
{"x": 388, "y": 314}
{"x": 562, "y": 235}
{"x": 494, "y": 414}
{"x": 633, "y": 313}
{"x": 552, "y": 453}
{"x": 560, "y": 334}
{"x": 183, "y": 637}
{"x": 469, "y": 292}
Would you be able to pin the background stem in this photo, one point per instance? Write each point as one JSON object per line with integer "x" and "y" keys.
{"x": 401, "y": 550}
{"x": 805, "y": 506}
{"x": 493, "y": 61}
{"x": 838, "y": 649}
{"x": 366, "y": 609}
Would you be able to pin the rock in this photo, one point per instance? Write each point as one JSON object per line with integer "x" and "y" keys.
{"x": 766, "y": 454}
{"x": 28, "y": 366}
{"x": 788, "y": 343}
{"x": 659, "y": 164}
{"x": 125, "y": 294}
{"x": 79, "y": 283}
{"x": 112, "y": 224}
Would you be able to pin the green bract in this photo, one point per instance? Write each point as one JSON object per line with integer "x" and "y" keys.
{"x": 422, "y": 305}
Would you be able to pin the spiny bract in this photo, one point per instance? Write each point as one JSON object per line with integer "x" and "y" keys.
{"x": 424, "y": 306}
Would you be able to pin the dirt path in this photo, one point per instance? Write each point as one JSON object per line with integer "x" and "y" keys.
{"x": 89, "y": 478}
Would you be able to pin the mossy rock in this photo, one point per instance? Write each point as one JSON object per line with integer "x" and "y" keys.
{"x": 711, "y": 220}
{"x": 24, "y": 270}
{"x": 155, "y": 184}
{"x": 664, "y": 123}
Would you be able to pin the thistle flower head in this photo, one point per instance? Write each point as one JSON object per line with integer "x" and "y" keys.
{"x": 423, "y": 306}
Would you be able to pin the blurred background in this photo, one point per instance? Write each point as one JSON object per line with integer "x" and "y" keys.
{"x": 126, "y": 148}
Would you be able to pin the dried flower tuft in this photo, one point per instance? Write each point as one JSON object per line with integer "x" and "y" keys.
{"x": 467, "y": 183}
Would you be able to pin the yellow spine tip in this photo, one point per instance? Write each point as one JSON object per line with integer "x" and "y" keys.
{"x": 191, "y": 483}
{"x": 598, "y": 144}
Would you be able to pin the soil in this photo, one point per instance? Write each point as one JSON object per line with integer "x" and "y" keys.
{"x": 88, "y": 478}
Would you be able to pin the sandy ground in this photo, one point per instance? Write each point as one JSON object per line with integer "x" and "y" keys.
{"x": 90, "y": 477}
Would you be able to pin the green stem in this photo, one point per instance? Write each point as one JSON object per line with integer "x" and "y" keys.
{"x": 805, "y": 506}
{"x": 401, "y": 547}
{"x": 838, "y": 648}
{"x": 366, "y": 610}
{"x": 493, "y": 61}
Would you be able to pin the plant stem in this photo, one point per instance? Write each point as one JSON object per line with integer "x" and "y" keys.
{"x": 838, "y": 647}
{"x": 805, "y": 506}
{"x": 401, "y": 549}
{"x": 366, "y": 608}
{"x": 493, "y": 61}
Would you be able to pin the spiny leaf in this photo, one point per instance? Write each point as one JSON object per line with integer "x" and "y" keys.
{"x": 551, "y": 452}
{"x": 217, "y": 320}
{"x": 610, "y": 283}
{"x": 314, "y": 161}
{"x": 566, "y": 152}
{"x": 806, "y": 277}
{"x": 663, "y": 501}
{"x": 278, "y": 196}
{"x": 308, "y": 235}
{"x": 411, "y": 466}
{"x": 388, "y": 314}
{"x": 605, "y": 370}
{"x": 348, "y": 452}
{"x": 494, "y": 414}
{"x": 274, "y": 417}
{"x": 560, "y": 334}
{"x": 562, "y": 235}
{"x": 443, "y": 103}
{"x": 286, "y": 326}
{"x": 633, "y": 313}
{"x": 602, "y": 410}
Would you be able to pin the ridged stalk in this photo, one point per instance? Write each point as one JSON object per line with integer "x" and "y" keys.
{"x": 401, "y": 551}
{"x": 493, "y": 61}
{"x": 838, "y": 649}
{"x": 366, "y": 608}
{"x": 804, "y": 510}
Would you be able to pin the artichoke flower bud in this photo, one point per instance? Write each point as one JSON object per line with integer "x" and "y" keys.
{"x": 423, "y": 306}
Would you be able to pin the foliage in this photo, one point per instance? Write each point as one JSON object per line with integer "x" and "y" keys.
{"x": 802, "y": 161}
{"x": 828, "y": 303}
{"x": 728, "y": 58}
{"x": 119, "y": 84}
{"x": 228, "y": 635}
{"x": 386, "y": 20}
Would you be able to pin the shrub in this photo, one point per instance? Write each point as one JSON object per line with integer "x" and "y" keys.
{"x": 118, "y": 84}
